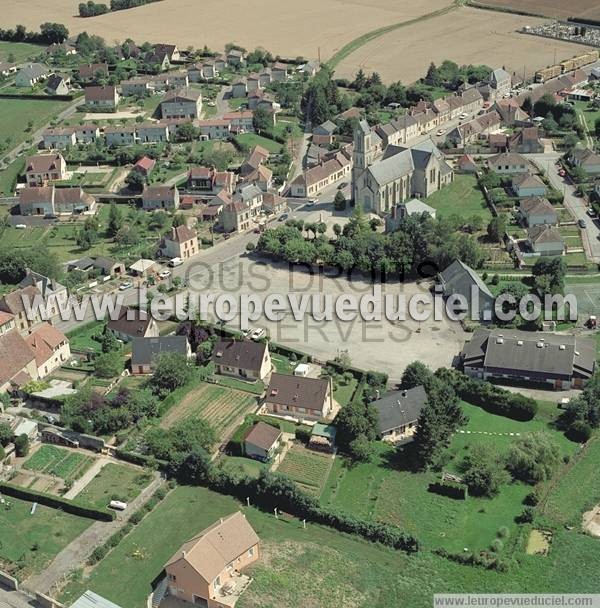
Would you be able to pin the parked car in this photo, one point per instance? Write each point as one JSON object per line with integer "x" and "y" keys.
{"x": 283, "y": 217}
{"x": 125, "y": 285}
{"x": 581, "y": 223}
{"x": 440, "y": 132}
{"x": 247, "y": 332}
{"x": 175, "y": 262}
{"x": 164, "y": 274}
{"x": 258, "y": 333}
{"x": 591, "y": 212}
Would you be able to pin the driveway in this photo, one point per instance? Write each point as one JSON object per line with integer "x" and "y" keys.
{"x": 575, "y": 205}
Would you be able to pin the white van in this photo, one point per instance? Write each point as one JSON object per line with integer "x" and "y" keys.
{"x": 175, "y": 262}
{"x": 118, "y": 505}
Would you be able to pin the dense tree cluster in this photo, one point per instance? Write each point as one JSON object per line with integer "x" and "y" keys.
{"x": 451, "y": 76}
{"x": 533, "y": 458}
{"x": 14, "y": 262}
{"x": 91, "y": 9}
{"x": 49, "y": 33}
{"x": 583, "y": 413}
{"x": 417, "y": 241}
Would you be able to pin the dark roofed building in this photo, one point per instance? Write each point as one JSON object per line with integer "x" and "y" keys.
{"x": 261, "y": 441}
{"x": 242, "y": 358}
{"x": 460, "y": 279}
{"x": 133, "y": 323}
{"x": 398, "y": 413}
{"x": 554, "y": 361}
{"x": 144, "y": 351}
{"x": 299, "y": 397}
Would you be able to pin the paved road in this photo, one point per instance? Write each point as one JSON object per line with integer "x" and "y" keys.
{"x": 15, "y": 599}
{"x": 78, "y": 551}
{"x": 575, "y": 205}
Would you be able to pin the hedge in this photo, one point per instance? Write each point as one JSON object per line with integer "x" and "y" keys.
{"x": 450, "y": 489}
{"x": 141, "y": 460}
{"x": 56, "y": 502}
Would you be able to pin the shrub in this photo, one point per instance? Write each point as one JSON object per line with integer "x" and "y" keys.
{"x": 503, "y": 532}
{"x": 579, "y": 431}
{"x": 532, "y": 499}
{"x": 450, "y": 489}
{"x": 526, "y": 516}
{"x": 497, "y": 545}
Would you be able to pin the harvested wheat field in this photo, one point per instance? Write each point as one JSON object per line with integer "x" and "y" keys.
{"x": 294, "y": 29}
{"x": 466, "y": 35}
{"x": 551, "y": 8}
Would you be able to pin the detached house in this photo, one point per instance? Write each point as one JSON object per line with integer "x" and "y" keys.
{"x": 242, "y": 358}
{"x": 49, "y": 200}
{"x": 181, "y": 103}
{"x": 102, "y": 97}
{"x": 31, "y": 74}
{"x": 545, "y": 240}
{"x": 59, "y": 138}
{"x": 509, "y": 163}
{"x": 160, "y": 197}
{"x": 41, "y": 169}
{"x": 525, "y": 185}
{"x": 93, "y": 71}
{"x": 133, "y": 323}
{"x": 262, "y": 441}
{"x": 537, "y": 211}
{"x": 398, "y": 413}
{"x": 181, "y": 242}
{"x": 206, "y": 570}
{"x": 58, "y": 84}
{"x": 145, "y": 350}
{"x": 298, "y": 397}
{"x": 586, "y": 159}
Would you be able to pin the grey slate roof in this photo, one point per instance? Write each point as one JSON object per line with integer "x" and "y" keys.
{"x": 399, "y": 408}
{"x": 143, "y": 350}
{"x": 542, "y": 353}
{"x": 458, "y": 279}
{"x": 243, "y": 354}
{"x": 33, "y": 71}
{"x": 393, "y": 167}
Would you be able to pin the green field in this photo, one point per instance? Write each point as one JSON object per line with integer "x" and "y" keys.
{"x": 251, "y": 140}
{"x": 16, "y": 114}
{"x": 114, "y": 482}
{"x": 385, "y": 491}
{"x": 52, "y": 460}
{"x": 322, "y": 568}
{"x": 28, "y": 543}
{"x": 307, "y": 468}
{"x": 462, "y": 197}
{"x": 20, "y": 51}
{"x": 241, "y": 464}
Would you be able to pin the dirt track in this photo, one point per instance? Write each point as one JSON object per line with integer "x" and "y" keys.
{"x": 466, "y": 35}
{"x": 291, "y": 29}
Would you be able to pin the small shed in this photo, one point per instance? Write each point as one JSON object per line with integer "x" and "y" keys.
{"x": 261, "y": 441}
{"x": 322, "y": 437}
{"x": 143, "y": 267}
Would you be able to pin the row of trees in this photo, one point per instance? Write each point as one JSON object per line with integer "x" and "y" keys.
{"x": 49, "y": 33}
{"x": 91, "y": 9}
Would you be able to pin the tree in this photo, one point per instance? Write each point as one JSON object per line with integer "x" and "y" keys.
{"x": 171, "y": 370}
{"x": 416, "y": 374}
{"x": 432, "y": 78}
{"x": 108, "y": 365}
{"x": 22, "y": 445}
{"x": 54, "y": 32}
{"x": 109, "y": 341}
{"x": 549, "y": 274}
{"x": 497, "y": 228}
{"x": 597, "y": 127}
{"x": 135, "y": 180}
{"x": 187, "y": 132}
{"x": 359, "y": 80}
{"x": 361, "y": 449}
{"x": 262, "y": 120}
{"x": 339, "y": 201}
{"x": 115, "y": 220}
{"x": 533, "y": 458}
{"x": 483, "y": 471}
{"x": 5, "y": 434}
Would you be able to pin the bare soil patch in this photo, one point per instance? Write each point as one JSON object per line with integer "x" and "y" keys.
{"x": 466, "y": 35}
{"x": 551, "y": 8}
{"x": 293, "y": 29}
{"x": 591, "y": 521}
{"x": 539, "y": 542}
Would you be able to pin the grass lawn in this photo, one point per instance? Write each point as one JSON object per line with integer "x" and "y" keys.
{"x": 30, "y": 542}
{"x": 251, "y": 140}
{"x": 590, "y": 116}
{"x": 114, "y": 482}
{"x": 20, "y": 50}
{"x": 385, "y": 491}
{"x": 247, "y": 466}
{"x": 342, "y": 393}
{"x": 308, "y": 469}
{"x": 282, "y": 364}
{"x": 462, "y": 197}
{"x": 82, "y": 338}
{"x": 51, "y": 460}
{"x": 8, "y": 176}
{"x": 256, "y": 388}
{"x": 322, "y": 568}
{"x": 16, "y": 114}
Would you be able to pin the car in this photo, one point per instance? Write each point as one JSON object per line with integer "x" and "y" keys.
{"x": 311, "y": 202}
{"x": 164, "y": 274}
{"x": 591, "y": 212}
{"x": 247, "y": 332}
{"x": 258, "y": 333}
{"x": 125, "y": 285}
{"x": 342, "y": 185}
{"x": 463, "y": 115}
{"x": 562, "y": 172}
{"x": 20, "y": 226}
{"x": 175, "y": 262}
{"x": 283, "y": 217}
{"x": 440, "y": 132}
{"x": 581, "y": 223}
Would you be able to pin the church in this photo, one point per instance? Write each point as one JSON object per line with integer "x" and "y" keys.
{"x": 385, "y": 175}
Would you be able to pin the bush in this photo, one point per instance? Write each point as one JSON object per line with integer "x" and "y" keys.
{"x": 302, "y": 434}
{"x": 579, "y": 431}
{"x": 532, "y": 499}
{"x": 451, "y": 489}
{"x": 526, "y": 516}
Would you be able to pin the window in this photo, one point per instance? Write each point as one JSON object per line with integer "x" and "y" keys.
{"x": 251, "y": 552}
